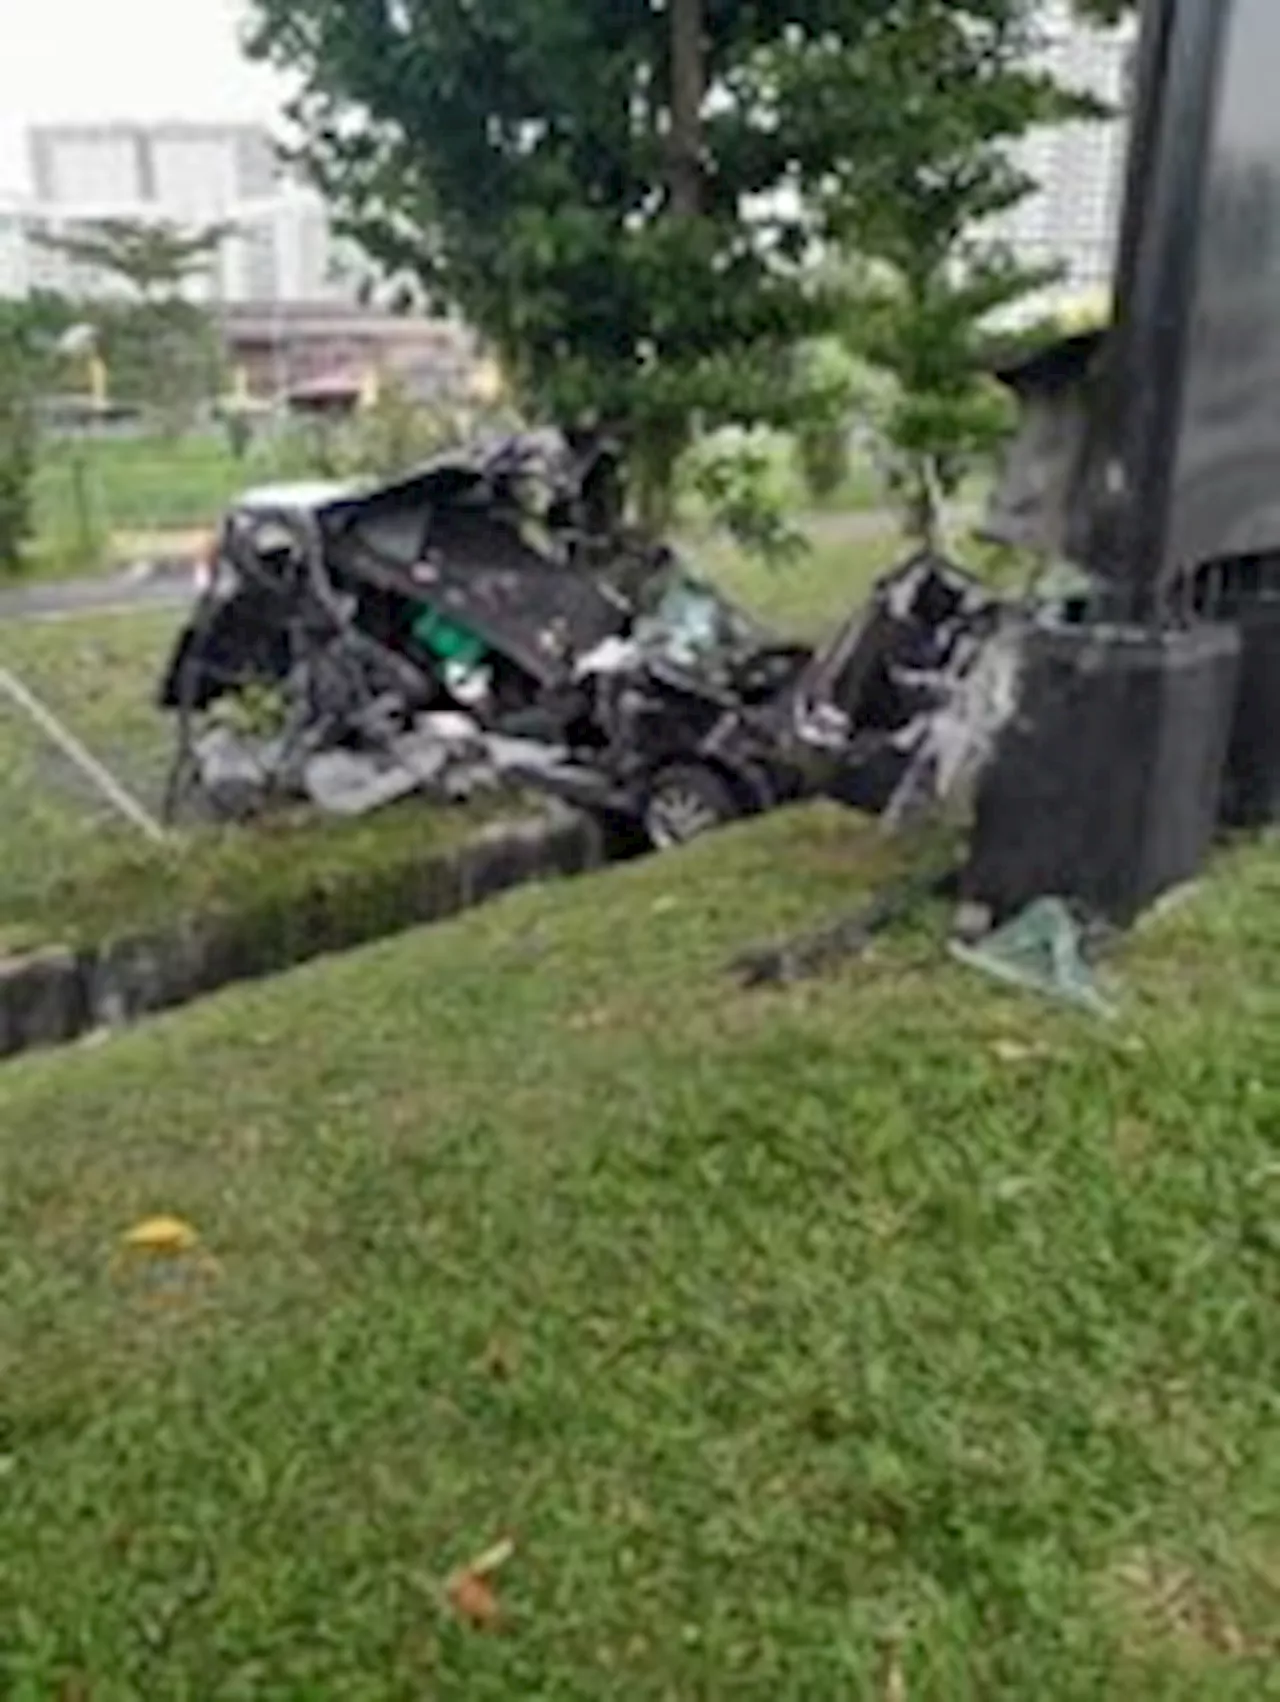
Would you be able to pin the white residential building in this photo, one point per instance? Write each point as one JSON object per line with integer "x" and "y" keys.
{"x": 280, "y": 246}
{"x": 15, "y": 259}
{"x": 1073, "y": 218}
{"x": 193, "y": 171}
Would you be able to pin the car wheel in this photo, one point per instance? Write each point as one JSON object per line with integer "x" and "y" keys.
{"x": 686, "y": 802}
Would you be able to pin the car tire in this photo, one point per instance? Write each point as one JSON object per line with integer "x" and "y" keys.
{"x": 687, "y": 801}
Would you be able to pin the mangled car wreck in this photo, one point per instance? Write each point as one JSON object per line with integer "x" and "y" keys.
{"x": 421, "y": 636}
{"x": 489, "y": 621}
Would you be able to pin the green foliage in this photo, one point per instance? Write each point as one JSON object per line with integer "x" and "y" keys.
{"x": 912, "y": 203}
{"x": 824, "y": 451}
{"x": 826, "y": 459}
{"x": 162, "y": 355}
{"x": 397, "y": 433}
{"x": 160, "y": 351}
{"x": 737, "y": 475}
{"x": 513, "y": 155}
{"x": 517, "y": 157}
{"x": 379, "y": 441}
{"x": 1104, "y": 11}
{"x": 154, "y": 258}
{"x": 23, "y": 358}
{"x": 17, "y": 465}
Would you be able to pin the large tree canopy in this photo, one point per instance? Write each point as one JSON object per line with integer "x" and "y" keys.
{"x": 623, "y": 194}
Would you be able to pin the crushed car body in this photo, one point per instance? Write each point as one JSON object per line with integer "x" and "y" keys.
{"x": 488, "y": 621}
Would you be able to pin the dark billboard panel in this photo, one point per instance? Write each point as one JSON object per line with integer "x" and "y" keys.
{"x": 1182, "y": 462}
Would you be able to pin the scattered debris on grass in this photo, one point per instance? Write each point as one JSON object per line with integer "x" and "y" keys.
{"x": 1007, "y": 1050}
{"x": 817, "y": 953}
{"x": 1041, "y": 951}
{"x": 166, "y": 1257}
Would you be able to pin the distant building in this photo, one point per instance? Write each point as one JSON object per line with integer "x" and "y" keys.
{"x": 1073, "y": 218}
{"x": 280, "y": 247}
{"x": 191, "y": 171}
{"x": 326, "y": 349}
{"x": 15, "y": 266}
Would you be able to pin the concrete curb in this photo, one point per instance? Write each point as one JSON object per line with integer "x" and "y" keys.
{"x": 54, "y": 996}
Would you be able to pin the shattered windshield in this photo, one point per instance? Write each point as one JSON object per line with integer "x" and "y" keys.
{"x": 691, "y": 621}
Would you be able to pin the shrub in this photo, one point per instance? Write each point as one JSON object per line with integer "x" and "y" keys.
{"x": 17, "y": 457}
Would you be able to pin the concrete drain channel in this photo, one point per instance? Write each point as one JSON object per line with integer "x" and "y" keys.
{"x": 57, "y": 995}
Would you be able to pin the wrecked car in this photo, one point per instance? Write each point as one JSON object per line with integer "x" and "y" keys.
{"x": 701, "y": 718}
{"x": 488, "y": 621}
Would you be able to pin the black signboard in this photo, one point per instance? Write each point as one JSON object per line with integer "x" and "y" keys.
{"x": 1181, "y": 464}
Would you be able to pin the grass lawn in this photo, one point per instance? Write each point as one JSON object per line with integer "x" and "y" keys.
{"x": 87, "y": 492}
{"x": 893, "y": 1337}
{"x": 815, "y": 593}
{"x": 73, "y": 871}
{"x": 100, "y": 501}
{"x": 97, "y": 675}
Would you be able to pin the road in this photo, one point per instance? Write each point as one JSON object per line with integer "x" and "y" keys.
{"x": 64, "y": 599}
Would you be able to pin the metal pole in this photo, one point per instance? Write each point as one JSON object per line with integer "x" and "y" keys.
{"x": 123, "y": 802}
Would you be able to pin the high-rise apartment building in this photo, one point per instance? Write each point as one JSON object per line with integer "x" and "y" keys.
{"x": 191, "y": 171}
{"x": 279, "y": 245}
{"x": 1072, "y": 218}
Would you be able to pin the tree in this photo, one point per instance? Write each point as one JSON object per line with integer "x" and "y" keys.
{"x": 17, "y": 455}
{"x": 154, "y": 259}
{"x": 160, "y": 350}
{"x": 554, "y": 168}
{"x": 623, "y": 196}
{"x": 162, "y": 355}
{"x": 688, "y": 94}
{"x": 28, "y": 330}
{"x": 913, "y": 204}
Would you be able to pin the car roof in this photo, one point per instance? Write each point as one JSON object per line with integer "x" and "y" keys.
{"x": 304, "y": 496}
{"x": 319, "y": 496}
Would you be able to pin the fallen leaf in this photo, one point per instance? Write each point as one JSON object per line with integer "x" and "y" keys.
{"x": 162, "y": 1235}
{"x": 1010, "y": 1051}
{"x": 493, "y": 1559}
{"x": 470, "y": 1593}
{"x": 500, "y": 1360}
{"x": 473, "y": 1600}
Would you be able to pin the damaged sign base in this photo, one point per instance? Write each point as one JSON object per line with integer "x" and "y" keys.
{"x": 1105, "y": 787}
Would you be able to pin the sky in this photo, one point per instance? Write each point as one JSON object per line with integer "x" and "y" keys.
{"x": 86, "y": 60}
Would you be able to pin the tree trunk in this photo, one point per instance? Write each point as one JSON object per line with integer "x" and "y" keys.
{"x": 922, "y": 520}
{"x": 688, "y": 92}
{"x": 653, "y": 461}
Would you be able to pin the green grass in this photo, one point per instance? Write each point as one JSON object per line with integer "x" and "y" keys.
{"x": 73, "y": 871}
{"x": 98, "y": 675}
{"x": 814, "y": 593}
{"x": 777, "y": 1330}
{"x": 95, "y": 498}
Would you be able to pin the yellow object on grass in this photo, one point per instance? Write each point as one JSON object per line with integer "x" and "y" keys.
{"x": 162, "y": 1235}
